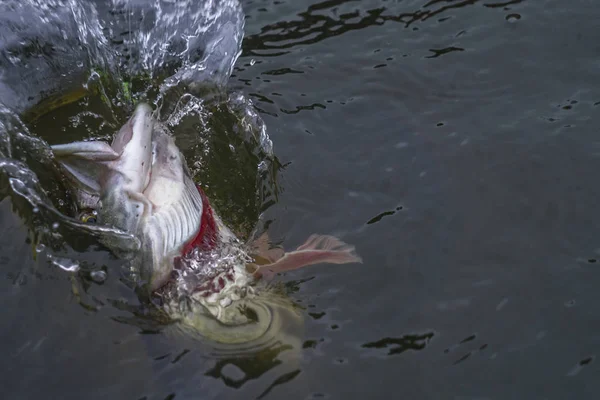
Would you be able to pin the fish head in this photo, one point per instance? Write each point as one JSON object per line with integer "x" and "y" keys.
{"x": 123, "y": 204}
{"x": 111, "y": 178}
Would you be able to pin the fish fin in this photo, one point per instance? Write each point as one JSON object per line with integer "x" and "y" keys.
{"x": 262, "y": 249}
{"x": 260, "y": 271}
{"x": 91, "y": 151}
{"x": 85, "y": 162}
{"x": 317, "y": 249}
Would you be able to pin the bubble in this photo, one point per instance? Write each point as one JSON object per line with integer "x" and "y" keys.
{"x": 98, "y": 276}
{"x": 35, "y": 210}
{"x": 39, "y": 248}
{"x": 55, "y": 225}
{"x": 570, "y": 303}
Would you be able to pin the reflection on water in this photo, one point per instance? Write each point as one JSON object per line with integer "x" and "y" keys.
{"x": 332, "y": 18}
{"x": 402, "y": 344}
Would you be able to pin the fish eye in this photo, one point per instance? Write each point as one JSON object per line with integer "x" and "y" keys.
{"x": 88, "y": 217}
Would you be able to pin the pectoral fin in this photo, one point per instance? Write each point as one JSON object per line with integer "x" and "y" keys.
{"x": 317, "y": 249}
{"x": 262, "y": 250}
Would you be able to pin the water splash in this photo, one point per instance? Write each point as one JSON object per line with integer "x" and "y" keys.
{"x": 191, "y": 41}
{"x": 64, "y": 263}
{"x": 46, "y": 46}
{"x": 99, "y": 59}
{"x": 54, "y": 46}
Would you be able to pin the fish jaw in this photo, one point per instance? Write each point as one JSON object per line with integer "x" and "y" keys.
{"x": 134, "y": 144}
{"x": 86, "y": 165}
{"x": 114, "y": 175}
{"x": 169, "y": 175}
{"x": 123, "y": 204}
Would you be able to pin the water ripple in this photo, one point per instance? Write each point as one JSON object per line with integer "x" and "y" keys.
{"x": 313, "y": 27}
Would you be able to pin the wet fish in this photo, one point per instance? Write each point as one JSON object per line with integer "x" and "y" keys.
{"x": 141, "y": 184}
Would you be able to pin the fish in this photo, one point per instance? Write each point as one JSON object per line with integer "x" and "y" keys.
{"x": 141, "y": 184}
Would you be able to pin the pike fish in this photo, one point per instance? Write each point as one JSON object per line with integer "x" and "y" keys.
{"x": 141, "y": 184}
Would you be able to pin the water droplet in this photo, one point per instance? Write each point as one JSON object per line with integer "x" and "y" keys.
{"x": 262, "y": 166}
{"x": 65, "y": 263}
{"x": 226, "y": 301}
{"x": 513, "y": 17}
{"x": 252, "y": 62}
{"x": 570, "y": 303}
{"x": 39, "y": 248}
{"x": 98, "y": 276}
{"x": 502, "y": 303}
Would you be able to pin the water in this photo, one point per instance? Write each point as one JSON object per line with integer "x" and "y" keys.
{"x": 453, "y": 142}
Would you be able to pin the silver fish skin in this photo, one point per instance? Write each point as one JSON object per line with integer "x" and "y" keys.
{"x": 176, "y": 216}
{"x": 111, "y": 178}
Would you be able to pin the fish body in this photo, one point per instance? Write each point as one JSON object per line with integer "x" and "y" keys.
{"x": 177, "y": 213}
{"x": 141, "y": 184}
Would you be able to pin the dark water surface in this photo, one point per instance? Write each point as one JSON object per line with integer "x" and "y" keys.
{"x": 456, "y": 144}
